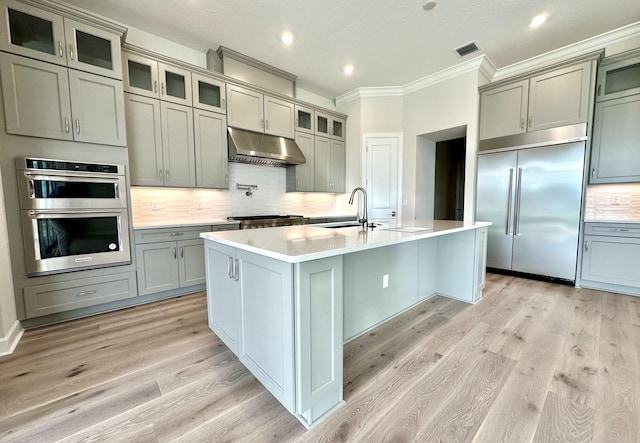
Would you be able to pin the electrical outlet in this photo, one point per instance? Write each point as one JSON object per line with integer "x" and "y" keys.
{"x": 615, "y": 199}
{"x": 198, "y": 205}
{"x": 385, "y": 281}
{"x": 405, "y": 202}
{"x": 154, "y": 205}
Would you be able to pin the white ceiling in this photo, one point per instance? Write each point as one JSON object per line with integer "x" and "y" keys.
{"x": 390, "y": 42}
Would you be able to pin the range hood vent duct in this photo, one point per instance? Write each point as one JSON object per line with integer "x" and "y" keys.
{"x": 263, "y": 149}
{"x": 466, "y": 49}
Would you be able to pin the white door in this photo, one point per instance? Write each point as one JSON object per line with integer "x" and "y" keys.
{"x": 382, "y": 177}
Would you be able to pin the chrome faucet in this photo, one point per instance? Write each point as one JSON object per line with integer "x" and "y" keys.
{"x": 362, "y": 220}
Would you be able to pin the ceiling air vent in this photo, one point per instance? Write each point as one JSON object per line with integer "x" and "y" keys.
{"x": 467, "y": 49}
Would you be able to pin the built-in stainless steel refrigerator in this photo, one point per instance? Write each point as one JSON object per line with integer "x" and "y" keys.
{"x": 533, "y": 197}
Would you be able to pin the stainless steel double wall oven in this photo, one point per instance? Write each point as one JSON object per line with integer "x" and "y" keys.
{"x": 74, "y": 215}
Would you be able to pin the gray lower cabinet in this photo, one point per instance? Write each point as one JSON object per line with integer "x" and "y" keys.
{"x": 63, "y": 296}
{"x": 257, "y": 305}
{"x": 51, "y": 101}
{"x": 164, "y": 264}
{"x": 611, "y": 257}
{"x": 615, "y": 150}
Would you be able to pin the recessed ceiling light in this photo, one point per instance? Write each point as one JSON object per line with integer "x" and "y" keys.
{"x": 348, "y": 69}
{"x": 429, "y": 5}
{"x": 286, "y": 38}
{"x": 538, "y": 20}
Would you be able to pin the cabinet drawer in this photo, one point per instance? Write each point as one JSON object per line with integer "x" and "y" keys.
{"x": 169, "y": 234}
{"x": 612, "y": 230}
{"x": 65, "y": 296}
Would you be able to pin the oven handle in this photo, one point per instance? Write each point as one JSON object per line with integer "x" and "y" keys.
{"x": 77, "y": 176}
{"x": 78, "y": 212}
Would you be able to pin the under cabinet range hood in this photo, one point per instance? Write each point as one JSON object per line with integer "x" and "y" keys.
{"x": 263, "y": 149}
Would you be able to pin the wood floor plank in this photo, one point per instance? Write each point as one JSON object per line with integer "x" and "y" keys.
{"x": 564, "y": 420}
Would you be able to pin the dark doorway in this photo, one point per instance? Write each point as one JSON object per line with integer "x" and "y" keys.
{"x": 449, "y": 177}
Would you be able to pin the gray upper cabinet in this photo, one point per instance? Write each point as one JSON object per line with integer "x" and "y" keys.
{"x": 155, "y": 79}
{"x": 615, "y": 148}
{"x": 45, "y": 100}
{"x": 32, "y": 32}
{"x": 251, "y": 110}
{"x": 212, "y": 158}
{"x": 551, "y": 99}
{"x": 330, "y": 162}
{"x": 209, "y": 94}
{"x": 161, "y": 143}
{"x": 618, "y": 79}
{"x": 305, "y": 119}
{"x": 329, "y": 126}
{"x": 301, "y": 178}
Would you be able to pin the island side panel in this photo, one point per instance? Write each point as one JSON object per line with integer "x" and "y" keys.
{"x": 428, "y": 268}
{"x": 223, "y": 301}
{"x": 319, "y": 309}
{"x": 266, "y": 323}
{"x": 457, "y": 265}
{"x": 366, "y": 302}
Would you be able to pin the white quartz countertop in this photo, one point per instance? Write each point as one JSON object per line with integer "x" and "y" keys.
{"x": 295, "y": 244}
{"x": 186, "y": 224}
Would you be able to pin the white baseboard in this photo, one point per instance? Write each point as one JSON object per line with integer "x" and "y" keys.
{"x": 9, "y": 342}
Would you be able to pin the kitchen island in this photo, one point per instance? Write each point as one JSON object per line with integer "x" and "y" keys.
{"x": 285, "y": 299}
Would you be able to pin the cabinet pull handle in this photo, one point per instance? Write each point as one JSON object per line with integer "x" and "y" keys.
{"x": 60, "y": 48}
{"x": 78, "y": 126}
{"x": 236, "y": 270}
{"x": 162, "y": 86}
{"x": 226, "y": 179}
{"x": 167, "y": 176}
{"x": 593, "y": 172}
{"x": 298, "y": 183}
{"x": 522, "y": 123}
{"x": 266, "y": 124}
{"x": 71, "y": 54}
{"x": 530, "y": 121}
{"x": 155, "y": 86}
{"x": 181, "y": 252}
{"x": 175, "y": 234}
{"x": 66, "y": 125}
{"x": 83, "y": 293}
{"x": 600, "y": 89}
{"x": 175, "y": 253}
{"x": 586, "y": 246}
{"x": 224, "y": 103}
{"x": 262, "y": 123}
{"x": 160, "y": 175}
{"x": 230, "y": 267}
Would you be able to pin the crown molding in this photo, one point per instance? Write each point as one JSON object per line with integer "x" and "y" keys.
{"x": 358, "y": 93}
{"x": 568, "y": 52}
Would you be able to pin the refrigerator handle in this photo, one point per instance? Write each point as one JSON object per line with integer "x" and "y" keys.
{"x": 509, "y": 201}
{"x": 516, "y": 216}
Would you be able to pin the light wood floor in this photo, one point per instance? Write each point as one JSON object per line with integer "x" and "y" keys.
{"x": 532, "y": 362}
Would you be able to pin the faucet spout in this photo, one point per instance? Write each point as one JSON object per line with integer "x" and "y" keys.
{"x": 364, "y": 219}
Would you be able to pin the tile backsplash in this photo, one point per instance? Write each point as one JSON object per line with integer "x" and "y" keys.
{"x": 179, "y": 205}
{"x": 613, "y": 202}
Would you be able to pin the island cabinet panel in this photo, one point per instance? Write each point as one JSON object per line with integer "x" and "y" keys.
{"x": 366, "y": 301}
{"x": 319, "y": 300}
{"x": 456, "y": 267}
{"x": 266, "y": 323}
{"x": 223, "y": 303}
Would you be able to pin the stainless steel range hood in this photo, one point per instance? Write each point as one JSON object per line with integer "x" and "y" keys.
{"x": 263, "y": 149}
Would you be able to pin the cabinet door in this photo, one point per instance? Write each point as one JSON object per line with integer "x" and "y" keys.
{"x": 32, "y": 32}
{"x": 323, "y": 124}
{"x": 144, "y": 138}
{"x": 223, "y": 303}
{"x": 92, "y": 50}
{"x": 140, "y": 75}
{"x": 178, "y": 152}
{"x": 157, "y": 267}
{"x": 279, "y": 117}
{"x": 305, "y": 119}
{"x": 266, "y": 323}
{"x": 175, "y": 84}
{"x": 36, "y": 98}
{"x": 97, "y": 105}
{"x": 615, "y": 151}
{"x": 560, "y": 97}
{"x": 212, "y": 164}
{"x": 612, "y": 260}
{"x": 209, "y": 94}
{"x": 305, "y": 173}
{"x": 619, "y": 79}
{"x": 191, "y": 262}
{"x": 322, "y": 164}
{"x": 338, "y": 166}
{"x": 244, "y": 109}
{"x": 503, "y": 110}
{"x": 338, "y": 128}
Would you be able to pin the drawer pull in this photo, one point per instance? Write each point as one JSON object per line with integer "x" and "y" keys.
{"x": 83, "y": 293}
{"x": 174, "y": 234}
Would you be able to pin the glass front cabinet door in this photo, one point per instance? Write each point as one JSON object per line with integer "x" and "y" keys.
{"x": 328, "y": 125}
{"x": 46, "y": 36}
{"x": 305, "y": 119}
{"x": 209, "y": 94}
